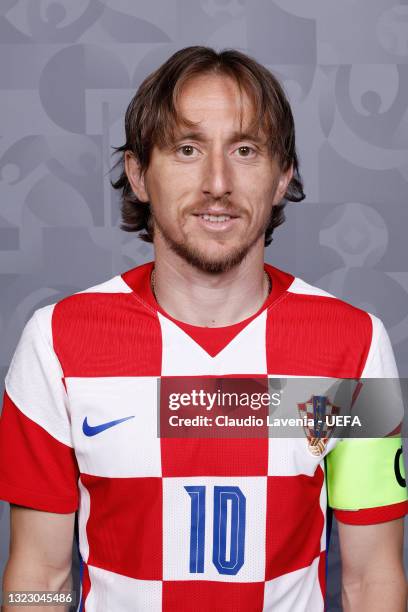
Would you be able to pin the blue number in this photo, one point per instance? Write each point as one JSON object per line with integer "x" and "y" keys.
{"x": 197, "y": 530}
{"x": 228, "y": 558}
{"x": 229, "y": 563}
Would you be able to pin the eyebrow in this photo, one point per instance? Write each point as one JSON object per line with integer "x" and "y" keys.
{"x": 235, "y": 137}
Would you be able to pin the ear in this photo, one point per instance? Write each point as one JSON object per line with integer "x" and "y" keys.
{"x": 283, "y": 183}
{"x": 135, "y": 177}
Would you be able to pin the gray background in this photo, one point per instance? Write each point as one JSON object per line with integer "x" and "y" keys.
{"x": 67, "y": 72}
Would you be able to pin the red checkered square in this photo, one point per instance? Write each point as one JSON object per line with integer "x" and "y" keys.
{"x": 214, "y": 457}
{"x": 203, "y": 596}
{"x": 126, "y": 537}
{"x": 293, "y": 516}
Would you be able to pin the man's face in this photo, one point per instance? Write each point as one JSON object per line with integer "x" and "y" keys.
{"x": 211, "y": 192}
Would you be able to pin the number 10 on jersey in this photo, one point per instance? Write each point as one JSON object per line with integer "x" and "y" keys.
{"x": 228, "y": 530}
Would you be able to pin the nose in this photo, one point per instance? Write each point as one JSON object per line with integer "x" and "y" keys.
{"x": 217, "y": 175}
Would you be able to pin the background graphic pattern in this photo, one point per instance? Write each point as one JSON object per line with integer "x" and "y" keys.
{"x": 68, "y": 69}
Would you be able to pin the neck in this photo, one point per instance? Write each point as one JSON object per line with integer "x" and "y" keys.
{"x": 209, "y": 300}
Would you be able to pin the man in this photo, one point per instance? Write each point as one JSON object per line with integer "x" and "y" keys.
{"x": 200, "y": 523}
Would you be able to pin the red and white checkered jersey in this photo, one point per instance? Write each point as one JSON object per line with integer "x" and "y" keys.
{"x": 170, "y": 524}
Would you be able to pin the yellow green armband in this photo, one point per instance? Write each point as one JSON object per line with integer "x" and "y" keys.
{"x": 366, "y": 473}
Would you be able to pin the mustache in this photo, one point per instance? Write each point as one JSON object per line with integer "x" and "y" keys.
{"x": 225, "y": 204}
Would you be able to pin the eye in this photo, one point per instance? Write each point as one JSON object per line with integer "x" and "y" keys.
{"x": 186, "y": 150}
{"x": 246, "y": 151}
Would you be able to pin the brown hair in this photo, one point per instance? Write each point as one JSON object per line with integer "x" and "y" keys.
{"x": 152, "y": 116}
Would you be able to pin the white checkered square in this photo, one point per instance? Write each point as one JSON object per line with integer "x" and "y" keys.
{"x": 245, "y": 354}
{"x": 179, "y": 525}
{"x": 117, "y": 593}
{"x": 126, "y": 449}
{"x": 296, "y": 591}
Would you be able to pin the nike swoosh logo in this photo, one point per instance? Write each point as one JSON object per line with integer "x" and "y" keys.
{"x": 92, "y": 430}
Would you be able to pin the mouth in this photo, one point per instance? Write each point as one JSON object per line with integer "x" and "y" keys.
{"x": 218, "y": 221}
{"x": 216, "y": 218}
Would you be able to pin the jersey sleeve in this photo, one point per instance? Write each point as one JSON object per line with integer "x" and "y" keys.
{"x": 38, "y": 467}
{"x": 366, "y": 477}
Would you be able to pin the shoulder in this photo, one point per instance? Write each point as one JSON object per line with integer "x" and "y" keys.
{"x": 302, "y": 293}
{"x": 80, "y": 301}
{"x": 313, "y": 301}
{"x": 95, "y": 331}
{"x": 317, "y": 321}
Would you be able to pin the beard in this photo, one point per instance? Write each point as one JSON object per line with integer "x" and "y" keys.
{"x": 202, "y": 261}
